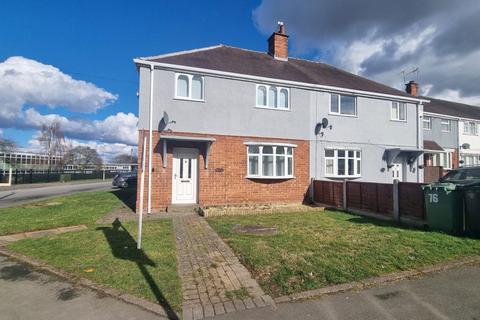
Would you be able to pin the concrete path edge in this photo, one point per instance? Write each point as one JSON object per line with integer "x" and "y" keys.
{"x": 376, "y": 281}
{"x": 112, "y": 292}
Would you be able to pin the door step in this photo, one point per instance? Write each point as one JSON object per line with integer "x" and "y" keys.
{"x": 183, "y": 208}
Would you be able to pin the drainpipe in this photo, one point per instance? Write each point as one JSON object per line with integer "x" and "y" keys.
{"x": 150, "y": 151}
{"x": 419, "y": 138}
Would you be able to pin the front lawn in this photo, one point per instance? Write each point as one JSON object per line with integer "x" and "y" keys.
{"x": 107, "y": 254}
{"x": 317, "y": 249}
{"x": 80, "y": 208}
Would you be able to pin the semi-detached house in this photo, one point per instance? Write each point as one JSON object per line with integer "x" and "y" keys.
{"x": 233, "y": 126}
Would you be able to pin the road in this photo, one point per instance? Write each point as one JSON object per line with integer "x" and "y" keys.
{"x": 28, "y": 294}
{"x": 14, "y": 197}
{"x": 453, "y": 294}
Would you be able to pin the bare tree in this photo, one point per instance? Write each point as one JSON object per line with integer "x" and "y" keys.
{"x": 7, "y": 145}
{"x": 83, "y": 156}
{"x": 125, "y": 158}
{"x": 52, "y": 141}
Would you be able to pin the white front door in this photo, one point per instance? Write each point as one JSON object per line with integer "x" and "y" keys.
{"x": 184, "y": 180}
{"x": 397, "y": 172}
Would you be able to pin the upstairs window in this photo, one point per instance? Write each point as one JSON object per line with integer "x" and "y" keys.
{"x": 399, "y": 111}
{"x": 427, "y": 123}
{"x": 470, "y": 127}
{"x": 446, "y": 125}
{"x": 190, "y": 87}
{"x": 273, "y": 97}
{"x": 270, "y": 161}
{"x": 343, "y": 105}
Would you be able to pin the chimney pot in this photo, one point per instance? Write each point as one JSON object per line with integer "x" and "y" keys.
{"x": 278, "y": 43}
{"x": 412, "y": 88}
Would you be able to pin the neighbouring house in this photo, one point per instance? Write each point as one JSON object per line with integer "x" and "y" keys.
{"x": 232, "y": 126}
{"x": 451, "y": 132}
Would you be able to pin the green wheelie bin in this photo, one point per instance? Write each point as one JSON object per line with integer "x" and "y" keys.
{"x": 444, "y": 206}
{"x": 472, "y": 210}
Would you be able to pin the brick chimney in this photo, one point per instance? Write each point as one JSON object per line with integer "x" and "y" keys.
{"x": 278, "y": 43}
{"x": 412, "y": 88}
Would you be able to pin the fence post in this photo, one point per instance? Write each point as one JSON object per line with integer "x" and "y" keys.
{"x": 345, "y": 206}
{"x": 396, "y": 201}
{"x": 10, "y": 177}
{"x": 312, "y": 191}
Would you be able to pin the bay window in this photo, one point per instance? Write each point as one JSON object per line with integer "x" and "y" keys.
{"x": 343, "y": 163}
{"x": 270, "y": 161}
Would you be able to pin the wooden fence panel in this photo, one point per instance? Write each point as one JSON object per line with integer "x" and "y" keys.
{"x": 374, "y": 197}
{"x": 411, "y": 200}
{"x": 329, "y": 193}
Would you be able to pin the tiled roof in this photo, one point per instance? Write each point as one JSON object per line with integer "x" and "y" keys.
{"x": 431, "y": 145}
{"x": 450, "y": 108}
{"x": 253, "y": 63}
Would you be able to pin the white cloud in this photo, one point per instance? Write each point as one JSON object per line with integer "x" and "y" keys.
{"x": 121, "y": 127}
{"x": 106, "y": 150}
{"x": 380, "y": 39}
{"x": 28, "y": 82}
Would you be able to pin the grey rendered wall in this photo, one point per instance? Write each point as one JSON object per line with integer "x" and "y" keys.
{"x": 372, "y": 131}
{"x": 447, "y": 140}
{"x": 229, "y": 109}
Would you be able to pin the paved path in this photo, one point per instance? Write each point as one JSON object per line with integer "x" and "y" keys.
{"x": 28, "y": 294}
{"x": 9, "y": 198}
{"x": 453, "y": 294}
{"x": 213, "y": 279}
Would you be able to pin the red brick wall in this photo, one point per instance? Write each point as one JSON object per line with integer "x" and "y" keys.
{"x": 224, "y": 182}
{"x": 432, "y": 174}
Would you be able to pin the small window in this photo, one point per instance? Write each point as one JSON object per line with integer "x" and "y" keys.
{"x": 470, "y": 127}
{"x": 344, "y": 105}
{"x": 427, "y": 123}
{"x": 446, "y": 125}
{"x": 270, "y": 162}
{"x": 342, "y": 163}
{"x": 189, "y": 87}
{"x": 262, "y": 96}
{"x": 399, "y": 111}
{"x": 273, "y": 97}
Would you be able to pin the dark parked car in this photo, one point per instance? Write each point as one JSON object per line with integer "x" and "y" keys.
{"x": 463, "y": 176}
{"x": 125, "y": 180}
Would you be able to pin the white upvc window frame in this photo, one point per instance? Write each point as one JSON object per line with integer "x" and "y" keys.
{"x": 190, "y": 78}
{"x": 425, "y": 120}
{"x": 357, "y": 162}
{"x": 339, "y": 101}
{"x": 447, "y": 123}
{"x": 287, "y": 158}
{"x": 398, "y": 106}
{"x": 467, "y": 128}
{"x": 267, "y": 100}
{"x": 442, "y": 159}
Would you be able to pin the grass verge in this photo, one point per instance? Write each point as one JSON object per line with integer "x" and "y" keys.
{"x": 107, "y": 255}
{"x": 317, "y": 249}
{"x": 80, "y": 208}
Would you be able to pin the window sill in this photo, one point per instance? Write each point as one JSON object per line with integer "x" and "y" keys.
{"x": 269, "y": 177}
{"x": 343, "y": 115}
{"x": 398, "y": 120}
{"x": 269, "y": 108}
{"x": 188, "y": 99}
{"x": 343, "y": 177}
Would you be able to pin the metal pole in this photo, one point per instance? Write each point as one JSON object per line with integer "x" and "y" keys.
{"x": 150, "y": 149}
{"x": 142, "y": 188}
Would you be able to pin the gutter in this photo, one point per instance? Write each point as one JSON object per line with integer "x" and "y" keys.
{"x": 302, "y": 85}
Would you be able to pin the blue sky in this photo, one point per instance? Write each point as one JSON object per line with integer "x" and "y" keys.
{"x": 66, "y": 42}
{"x": 96, "y": 41}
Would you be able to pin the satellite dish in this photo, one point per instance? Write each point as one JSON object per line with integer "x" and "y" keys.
{"x": 324, "y": 123}
{"x": 318, "y": 127}
{"x": 165, "y": 118}
{"x": 466, "y": 146}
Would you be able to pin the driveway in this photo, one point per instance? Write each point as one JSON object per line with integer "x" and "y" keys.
{"x": 14, "y": 197}
{"x": 27, "y": 294}
{"x": 452, "y": 294}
